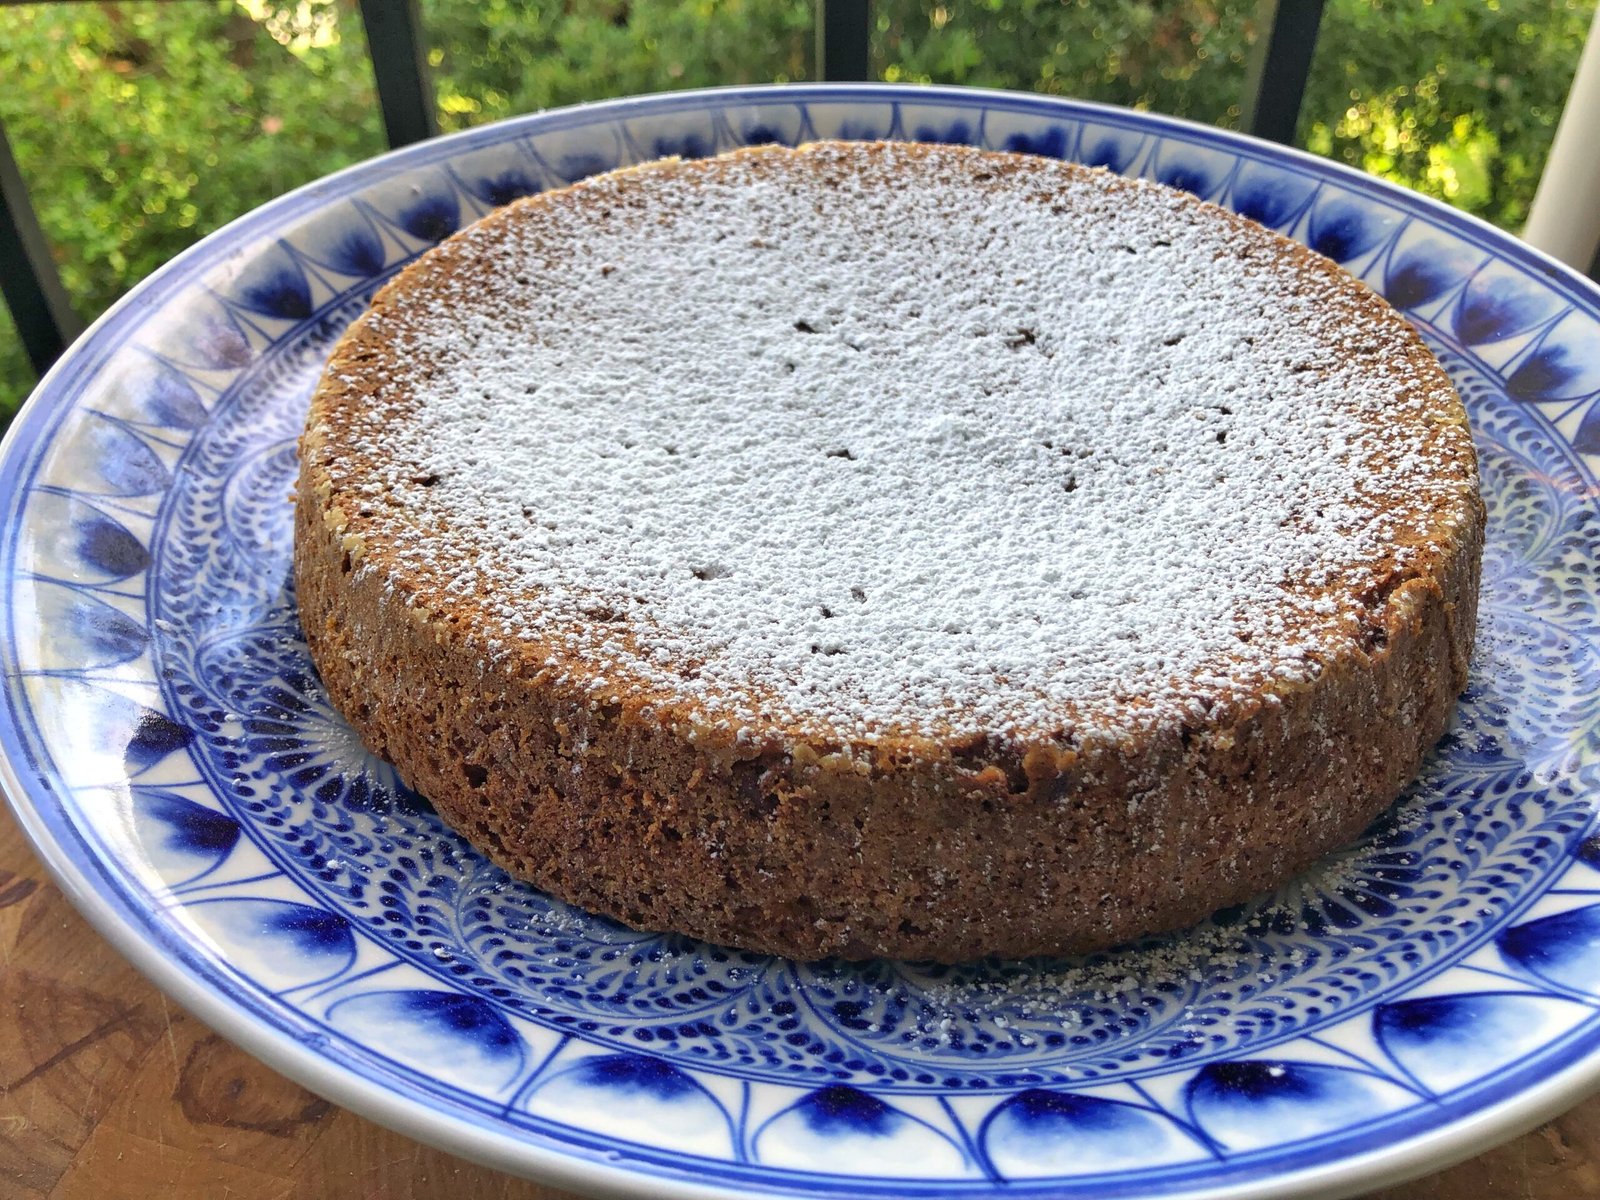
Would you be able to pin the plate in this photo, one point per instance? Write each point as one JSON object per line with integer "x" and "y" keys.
{"x": 171, "y": 753}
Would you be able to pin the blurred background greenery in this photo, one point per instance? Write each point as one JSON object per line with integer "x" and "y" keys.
{"x": 142, "y": 126}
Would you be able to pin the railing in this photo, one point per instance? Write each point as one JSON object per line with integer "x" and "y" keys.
{"x": 1274, "y": 89}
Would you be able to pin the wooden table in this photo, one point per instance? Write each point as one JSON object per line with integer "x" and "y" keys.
{"x": 109, "y": 1091}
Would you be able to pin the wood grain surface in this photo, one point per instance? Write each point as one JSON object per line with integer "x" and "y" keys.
{"x": 110, "y": 1091}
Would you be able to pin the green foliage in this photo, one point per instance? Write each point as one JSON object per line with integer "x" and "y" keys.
{"x": 1457, "y": 99}
{"x": 141, "y": 126}
{"x": 1185, "y": 57}
{"x": 16, "y": 376}
{"x": 494, "y": 58}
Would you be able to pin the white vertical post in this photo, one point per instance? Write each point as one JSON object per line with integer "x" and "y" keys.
{"x": 1564, "y": 221}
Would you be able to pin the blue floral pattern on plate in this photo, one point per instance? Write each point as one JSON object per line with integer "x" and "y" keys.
{"x": 172, "y": 753}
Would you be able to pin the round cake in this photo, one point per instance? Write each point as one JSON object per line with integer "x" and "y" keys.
{"x": 889, "y": 549}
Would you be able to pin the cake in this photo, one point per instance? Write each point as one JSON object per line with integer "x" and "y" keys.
{"x": 889, "y": 549}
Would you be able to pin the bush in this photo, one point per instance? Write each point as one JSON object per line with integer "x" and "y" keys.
{"x": 495, "y": 58}
{"x": 1457, "y": 100}
{"x": 1184, "y": 57}
{"x": 142, "y": 126}
{"x": 16, "y": 376}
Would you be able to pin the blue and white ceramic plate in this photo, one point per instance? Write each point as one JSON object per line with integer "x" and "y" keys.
{"x": 172, "y": 754}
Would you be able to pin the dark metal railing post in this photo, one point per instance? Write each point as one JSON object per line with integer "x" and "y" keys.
{"x": 400, "y": 67}
{"x": 28, "y": 276}
{"x": 842, "y": 29}
{"x": 1275, "y": 86}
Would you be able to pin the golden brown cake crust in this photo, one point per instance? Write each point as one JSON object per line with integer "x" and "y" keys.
{"x": 935, "y": 842}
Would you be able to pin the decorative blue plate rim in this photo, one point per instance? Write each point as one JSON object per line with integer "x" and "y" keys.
{"x": 1452, "y": 1129}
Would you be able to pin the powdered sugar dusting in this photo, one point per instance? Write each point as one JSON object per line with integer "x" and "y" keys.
{"x": 878, "y": 439}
